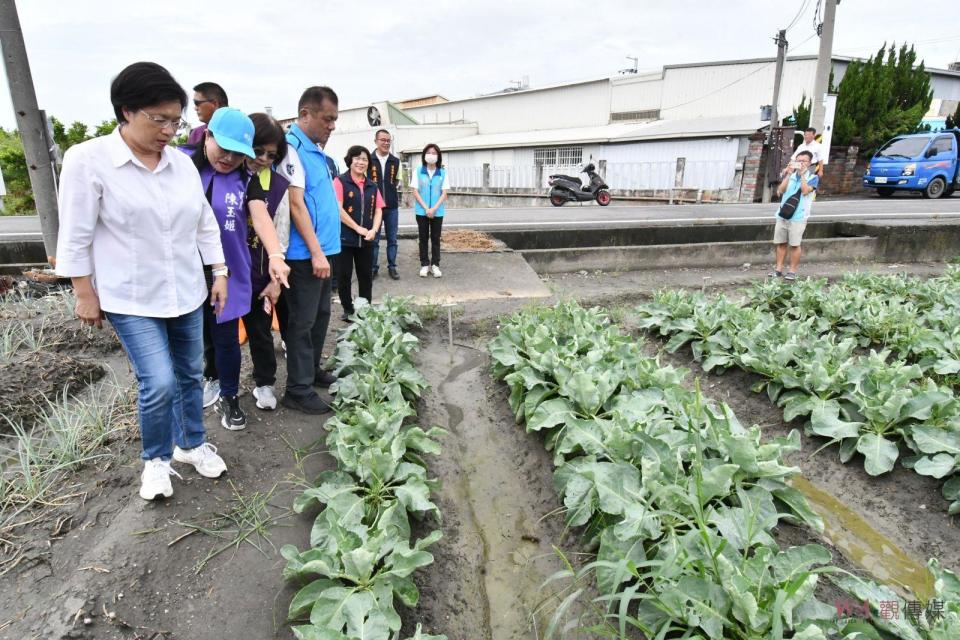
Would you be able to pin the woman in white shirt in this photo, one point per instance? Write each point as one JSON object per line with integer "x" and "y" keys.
{"x": 135, "y": 231}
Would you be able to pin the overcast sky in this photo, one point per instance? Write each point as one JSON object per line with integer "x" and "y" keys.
{"x": 265, "y": 52}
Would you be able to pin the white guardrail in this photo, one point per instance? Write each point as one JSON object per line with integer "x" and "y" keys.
{"x": 696, "y": 174}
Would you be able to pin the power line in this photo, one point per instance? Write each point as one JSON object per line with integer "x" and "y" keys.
{"x": 728, "y": 85}
{"x": 803, "y": 7}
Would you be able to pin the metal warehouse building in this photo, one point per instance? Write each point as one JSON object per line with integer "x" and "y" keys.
{"x": 635, "y": 127}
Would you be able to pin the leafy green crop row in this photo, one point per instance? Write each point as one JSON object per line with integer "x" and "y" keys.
{"x": 679, "y": 499}
{"x": 868, "y": 404}
{"x": 917, "y": 319}
{"x": 361, "y": 553}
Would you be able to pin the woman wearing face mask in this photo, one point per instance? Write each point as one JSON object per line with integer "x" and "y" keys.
{"x": 361, "y": 209}
{"x": 233, "y": 195}
{"x": 430, "y": 186}
{"x": 270, "y": 147}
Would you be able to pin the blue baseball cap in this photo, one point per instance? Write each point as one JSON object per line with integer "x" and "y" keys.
{"x": 232, "y": 130}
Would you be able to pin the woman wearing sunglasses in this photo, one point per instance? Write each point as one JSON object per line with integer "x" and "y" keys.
{"x": 269, "y": 148}
{"x": 235, "y": 198}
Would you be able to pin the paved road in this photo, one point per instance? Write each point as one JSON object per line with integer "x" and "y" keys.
{"x": 898, "y": 208}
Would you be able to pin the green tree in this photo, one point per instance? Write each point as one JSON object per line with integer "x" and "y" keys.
{"x": 801, "y": 113}
{"x": 105, "y": 127}
{"x": 884, "y": 96}
{"x": 13, "y": 164}
{"x": 66, "y": 138}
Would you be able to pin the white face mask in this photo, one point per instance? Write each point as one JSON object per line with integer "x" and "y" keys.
{"x": 431, "y": 158}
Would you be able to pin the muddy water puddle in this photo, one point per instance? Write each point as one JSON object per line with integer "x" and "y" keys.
{"x": 864, "y": 546}
{"x": 497, "y": 488}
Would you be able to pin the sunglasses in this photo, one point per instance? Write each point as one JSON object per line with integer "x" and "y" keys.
{"x": 197, "y": 103}
{"x": 260, "y": 151}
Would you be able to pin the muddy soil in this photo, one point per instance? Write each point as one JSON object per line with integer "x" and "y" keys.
{"x": 117, "y": 555}
{"x": 499, "y": 507}
{"x": 28, "y": 380}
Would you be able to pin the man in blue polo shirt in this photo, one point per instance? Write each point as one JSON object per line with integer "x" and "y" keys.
{"x": 314, "y": 240}
{"x": 797, "y": 189}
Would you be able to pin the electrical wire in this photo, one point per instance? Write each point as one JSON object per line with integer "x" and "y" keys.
{"x": 803, "y": 7}
{"x": 730, "y": 84}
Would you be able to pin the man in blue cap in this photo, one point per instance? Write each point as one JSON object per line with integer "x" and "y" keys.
{"x": 314, "y": 239}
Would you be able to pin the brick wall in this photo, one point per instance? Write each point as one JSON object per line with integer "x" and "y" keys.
{"x": 844, "y": 174}
{"x": 751, "y": 188}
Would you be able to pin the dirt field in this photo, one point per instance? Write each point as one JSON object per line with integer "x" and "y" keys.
{"x": 111, "y": 566}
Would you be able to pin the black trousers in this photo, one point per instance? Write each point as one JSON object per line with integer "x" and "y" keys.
{"x": 308, "y": 306}
{"x": 259, "y": 326}
{"x": 429, "y": 229}
{"x": 362, "y": 259}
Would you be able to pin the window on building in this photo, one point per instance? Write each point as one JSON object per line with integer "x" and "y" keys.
{"x": 558, "y": 156}
{"x": 649, "y": 114}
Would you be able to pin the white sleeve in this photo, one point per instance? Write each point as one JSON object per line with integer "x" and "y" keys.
{"x": 80, "y": 193}
{"x": 414, "y": 179}
{"x": 292, "y": 169}
{"x": 446, "y": 181}
{"x": 281, "y": 220}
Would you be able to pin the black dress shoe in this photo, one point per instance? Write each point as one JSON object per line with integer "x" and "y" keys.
{"x": 345, "y": 316}
{"x": 310, "y": 404}
{"x": 394, "y": 274}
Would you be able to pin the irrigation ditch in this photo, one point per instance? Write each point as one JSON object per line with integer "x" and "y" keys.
{"x": 119, "y": 568}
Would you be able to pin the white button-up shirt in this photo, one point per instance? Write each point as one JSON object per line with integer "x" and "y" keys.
{"x": 139, "y": 233}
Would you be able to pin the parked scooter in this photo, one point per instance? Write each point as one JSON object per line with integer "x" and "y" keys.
{"x": 569, "y": 188}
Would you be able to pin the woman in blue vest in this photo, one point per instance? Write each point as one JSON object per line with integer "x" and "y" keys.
{"x": 430, "y": 186}
{"x": 232, "y": 196}
{"x": 361, "y": 210}
{"x": 270, "y": 147}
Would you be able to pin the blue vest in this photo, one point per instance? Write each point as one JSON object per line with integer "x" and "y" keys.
{"x": 430, "y": 190}
{"x": 319, "y": 196}
{"x": 386, "y": 178}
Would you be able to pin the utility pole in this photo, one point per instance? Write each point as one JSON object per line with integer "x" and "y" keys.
{"x": 30, "y": 123}
{"x": 775, "y": 116}
{"x": 824, "y": 65}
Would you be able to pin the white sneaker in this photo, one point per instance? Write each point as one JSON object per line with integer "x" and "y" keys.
{"x": 266, "y": 398}
{"x": 424, "y": 272}
{"x": 211, "y": 391}
{"x": 435, "y": 270}
{"x": 155, "y": 479}
{"x": 203, "y": 458}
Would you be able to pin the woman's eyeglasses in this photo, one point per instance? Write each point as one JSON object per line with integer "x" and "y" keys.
{"x": 261, "y": 152}
{"x": 176, "y": 124}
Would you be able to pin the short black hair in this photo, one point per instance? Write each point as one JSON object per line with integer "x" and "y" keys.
{"x": 379, "y": 131}
{"x": 810, "y": 130}
{"x": 353, "y": 152}
{"x": 314, "y": 97}
{"x": 266, "y": 130}
{"x": 212, "y": 91}
{"x": 144, "y": 84}
{"x": 806, "y": 153}
{"x": 423, "y": 155}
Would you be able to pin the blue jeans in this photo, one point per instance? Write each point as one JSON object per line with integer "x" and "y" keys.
{"x": 391, "y": 221}
{"x": 167, "y": 358}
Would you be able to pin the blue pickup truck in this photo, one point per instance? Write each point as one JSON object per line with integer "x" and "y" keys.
{"x": 925, "y": 162}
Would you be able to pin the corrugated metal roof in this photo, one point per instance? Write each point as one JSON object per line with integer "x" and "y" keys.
{"x": 617, "y": 132}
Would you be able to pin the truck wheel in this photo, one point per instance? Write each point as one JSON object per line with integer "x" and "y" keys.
{"x": 885, "y": 192}
{"x": 935, "y": 188}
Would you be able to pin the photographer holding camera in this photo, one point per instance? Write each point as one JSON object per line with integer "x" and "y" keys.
{"x": 797, "y": 189}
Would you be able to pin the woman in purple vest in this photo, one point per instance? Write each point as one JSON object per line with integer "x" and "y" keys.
{"x": 232, "y": 195}
{"x": 361, "y": 210}
{"x": 270, "y": 147}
